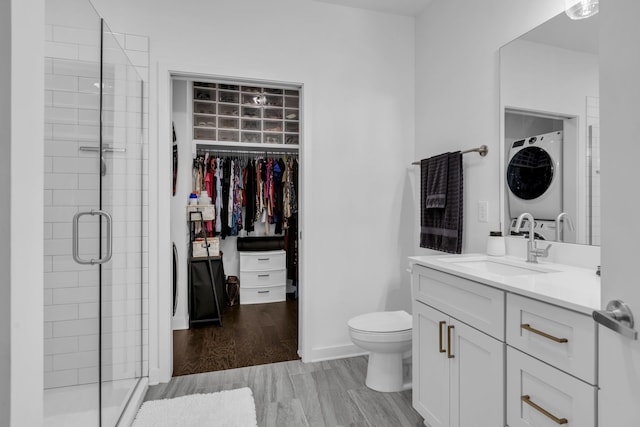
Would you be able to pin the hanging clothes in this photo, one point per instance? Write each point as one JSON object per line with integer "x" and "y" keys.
{"x": 278, "y": 170}
{"x": 250, "y": 193}
{"x": 217, "y": 198}
{"x": 236, "y": 209}
{"x": 224, "y": 212}
{"x": 248, "y": 190}
{"x": 261, "y": 179}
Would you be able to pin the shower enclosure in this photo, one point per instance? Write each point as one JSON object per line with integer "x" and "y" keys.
{"x": 94, "y": 232}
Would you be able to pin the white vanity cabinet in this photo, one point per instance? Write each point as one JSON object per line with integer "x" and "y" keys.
{"x": 551, "y": 365}
{"x": 458, "y": 351}
{"x": 488, "y": 353}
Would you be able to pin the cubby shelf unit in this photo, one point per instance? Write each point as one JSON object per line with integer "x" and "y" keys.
{"x": 245, "y": 116}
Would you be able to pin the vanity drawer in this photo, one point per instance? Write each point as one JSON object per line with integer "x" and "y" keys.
{"x": 534, "y": 388}
{"x": 480, "y": 306}
{"x": 263, "y": 260}
{"x": 560, "y": 337}
{"x": 252, "y": 279}
{"x": 263, "y": 294}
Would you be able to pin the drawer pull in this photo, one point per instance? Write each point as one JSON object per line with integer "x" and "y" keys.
{"x": 528, "y": 327}
{"x": 526, "y": 399}
{"x": 264, "y": 259}
{"x": 442, "y": 350}
{"x": 263, "y": 275}
{"x": 449, "y": 355}
{"x": 263, "y": 292}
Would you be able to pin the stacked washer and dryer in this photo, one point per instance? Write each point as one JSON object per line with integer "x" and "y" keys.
{"x": 534, "y": 180}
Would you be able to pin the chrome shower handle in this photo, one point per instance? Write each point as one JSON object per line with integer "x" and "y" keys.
{"x": 75, "y": 237}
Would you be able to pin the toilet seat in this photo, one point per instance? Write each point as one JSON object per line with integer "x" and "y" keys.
{"x": 381, "y": 337}
{"x": 382, "y": 322}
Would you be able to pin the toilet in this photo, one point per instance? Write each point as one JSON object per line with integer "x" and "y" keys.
{"x": 387, "y": 336}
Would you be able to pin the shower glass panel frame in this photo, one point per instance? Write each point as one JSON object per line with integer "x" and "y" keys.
{"x": 94, "y": 148}
{"x": 121, "y": 195}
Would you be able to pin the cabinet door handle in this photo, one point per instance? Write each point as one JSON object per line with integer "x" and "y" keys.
{"x": 449, "y": 355}
{"x": 528, "y": 327}
{"x": 442, "y": 323}
{"x": 526, "y": 399}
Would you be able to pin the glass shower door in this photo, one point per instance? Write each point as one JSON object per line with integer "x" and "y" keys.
{"x": 121, "y": 196}
{"x": 93, "y": 230}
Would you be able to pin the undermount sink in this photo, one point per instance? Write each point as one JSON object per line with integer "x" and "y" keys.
{"x": 498, "y": 266}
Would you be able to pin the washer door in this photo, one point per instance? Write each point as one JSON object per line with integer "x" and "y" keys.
{"x": 530, "y": 173}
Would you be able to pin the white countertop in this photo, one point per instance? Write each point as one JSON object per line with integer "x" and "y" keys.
{"x": 567, "y": 286}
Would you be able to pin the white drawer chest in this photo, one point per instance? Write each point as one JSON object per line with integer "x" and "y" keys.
{"x": 263, "y": 277}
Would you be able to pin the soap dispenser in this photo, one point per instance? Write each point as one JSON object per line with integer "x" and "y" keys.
{"x": 496, "y": 244}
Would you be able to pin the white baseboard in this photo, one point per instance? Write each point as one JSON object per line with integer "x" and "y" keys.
{"x": 180, "y": 323}
{"x": 319, "y": 354}
{"x": 157, "y": 376}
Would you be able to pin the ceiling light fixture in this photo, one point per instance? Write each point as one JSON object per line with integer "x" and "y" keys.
{"x": 580, "y": 9}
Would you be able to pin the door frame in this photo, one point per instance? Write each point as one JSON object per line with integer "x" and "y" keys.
{"x": 160, "y": 248}
{"x": 619, "y": 357}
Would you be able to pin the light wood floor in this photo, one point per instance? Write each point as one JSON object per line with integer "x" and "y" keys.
{"x": 295, "y": 394}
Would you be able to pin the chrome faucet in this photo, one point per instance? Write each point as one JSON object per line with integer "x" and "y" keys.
{"x": 559, "y": 224}
{"x": 532, "y": 252}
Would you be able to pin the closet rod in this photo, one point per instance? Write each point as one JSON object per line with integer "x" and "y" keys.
{"x": 240, "y": 152}
{"x": 482, "y": 150}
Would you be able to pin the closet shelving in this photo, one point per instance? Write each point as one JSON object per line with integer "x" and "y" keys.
{"x": 243, "y": 116}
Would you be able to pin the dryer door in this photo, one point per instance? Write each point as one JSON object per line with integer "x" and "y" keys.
{"x": 530, "y": 173}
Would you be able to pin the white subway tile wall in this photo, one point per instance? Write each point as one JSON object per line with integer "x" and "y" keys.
{"x": 72, "y": 120}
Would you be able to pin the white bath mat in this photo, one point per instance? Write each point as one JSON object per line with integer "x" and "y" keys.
{"x": 230, "y": 408}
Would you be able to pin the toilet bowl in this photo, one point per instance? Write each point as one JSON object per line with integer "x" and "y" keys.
{"x": 387, "y": 336}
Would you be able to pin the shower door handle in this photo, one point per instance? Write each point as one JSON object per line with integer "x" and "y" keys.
{"x": 75, "y": 238}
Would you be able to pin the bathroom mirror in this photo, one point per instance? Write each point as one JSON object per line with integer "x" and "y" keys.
{"x": 550, "y": 130}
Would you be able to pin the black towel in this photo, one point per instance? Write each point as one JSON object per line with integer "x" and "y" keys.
{"x": 437, "y": 177}
{"x": 441, "y": 229}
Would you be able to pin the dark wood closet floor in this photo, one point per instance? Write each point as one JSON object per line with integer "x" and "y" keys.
{"x": 253, "y": 334}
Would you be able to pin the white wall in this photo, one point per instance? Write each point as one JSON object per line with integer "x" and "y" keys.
{"x": 21, "y": 86}
{"x": 457, "y": 93}
{"x": 358, "y": 71}
{"x": 5, "y": 213}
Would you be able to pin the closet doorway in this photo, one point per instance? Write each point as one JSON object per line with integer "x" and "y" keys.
{"x": 234, "y": 223}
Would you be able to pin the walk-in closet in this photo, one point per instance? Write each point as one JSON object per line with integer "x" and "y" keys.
{"x": 234, "y": 222}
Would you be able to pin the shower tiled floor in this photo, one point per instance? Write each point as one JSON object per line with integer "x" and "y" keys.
{"x": 77, "y": 406}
